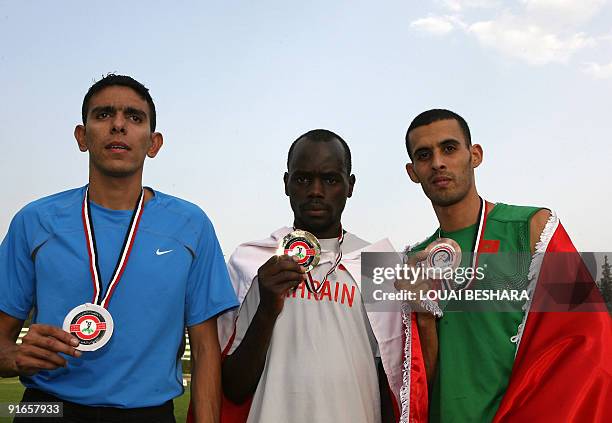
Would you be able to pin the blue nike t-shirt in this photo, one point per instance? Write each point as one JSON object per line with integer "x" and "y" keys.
{"x": 175, "y": 277}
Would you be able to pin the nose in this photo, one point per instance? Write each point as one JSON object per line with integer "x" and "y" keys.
{"x": 315, "y": 189}
{"x": 437, "y": 162}
{"x": 118, "y": 124}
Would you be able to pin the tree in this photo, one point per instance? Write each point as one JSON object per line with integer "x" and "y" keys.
{"x": 605, "y": 283}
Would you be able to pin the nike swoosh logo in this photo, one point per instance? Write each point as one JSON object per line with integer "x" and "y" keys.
{"x": 161, "y": 253}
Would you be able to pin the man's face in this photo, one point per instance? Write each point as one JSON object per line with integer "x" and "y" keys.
{"x": 442, "y": 162}
{"x": 317, "y": 185}
{"x": 117, "y": 133}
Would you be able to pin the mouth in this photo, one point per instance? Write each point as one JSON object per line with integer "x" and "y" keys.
{"x": 441, "y": 181}
{"x": 315, "y": 210}
{"x": 117, "y": 146}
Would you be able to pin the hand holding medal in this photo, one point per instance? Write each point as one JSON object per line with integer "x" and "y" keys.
{"x": 415, "y": 283}
{"x": 275, "y": 278}
{"x": 40, "y": 348}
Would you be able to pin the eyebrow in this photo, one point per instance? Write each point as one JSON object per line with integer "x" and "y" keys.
{"x": 112, "y": 109}
{"x": 445, "y": 142}
{"x": 135, "y": 111}
{"x": 100, "y": 109}
{"x": 449, "y": 141}
{"x": 313, "y": 172}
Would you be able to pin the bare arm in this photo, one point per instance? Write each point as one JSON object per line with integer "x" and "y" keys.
{"x": 536, "y": 226}
{"x": 39, "y": 348}
{"x": 242, "y": 369}
{"x": 426, "y": 322}
{"x": 9, "y": 331}
{"x": 205, "y": 371}
{"x": 428, "y": 336}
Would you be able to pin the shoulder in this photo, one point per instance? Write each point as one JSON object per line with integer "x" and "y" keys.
{"x": 40, "y": 219}
{"x": 251, "y": 255}
{"x": 537, "y": 224}
{"x": 180, "y": 219}
{"x": 421, "y": 245}
{"x": 178, "y": 206}
{"x": 42, "y": 213}
{"x": 536, "y": 217}
{"x": 245, "y": 261}
{"x": 352, "y": 242}
{"x": 53, "y": 203}
{"x": 513, "y": 213}
{"x": 178, "y": 212}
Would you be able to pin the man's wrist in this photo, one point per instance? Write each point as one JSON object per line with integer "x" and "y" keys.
{"x": 8, "y": 366}
{"x": 426, "y": 320}
{"x": 267, "y": 313}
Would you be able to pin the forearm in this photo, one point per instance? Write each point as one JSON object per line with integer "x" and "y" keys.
{"x": 9, "y": 332}
{"x": 206, "y": 387}
{"x": 205, "y": 371}
{"x": 8, "y": 350}
{"x": 242, "y": 369}
{"x": 429, "y": 344}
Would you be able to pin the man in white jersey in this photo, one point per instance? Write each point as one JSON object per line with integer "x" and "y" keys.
{"x": 297, "y": 356}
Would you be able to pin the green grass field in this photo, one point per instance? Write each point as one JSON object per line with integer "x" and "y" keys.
{"x": 11, "y": 390}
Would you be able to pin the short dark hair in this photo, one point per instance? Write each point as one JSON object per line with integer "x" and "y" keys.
{"x": 124, "y": 81}
{"x": 323, "y": 135}
{"x": 434, "y": 115}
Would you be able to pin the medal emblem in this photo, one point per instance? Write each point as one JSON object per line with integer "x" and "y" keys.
{"x": 303, "y": 245}
{"x": 443, "y": 254}
{"x": 91, "y": 324}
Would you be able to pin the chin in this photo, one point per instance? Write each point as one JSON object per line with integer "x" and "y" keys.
{"x": 119, "y": 173}
{"x": 445, "y": 200}
{"x": 314, "y": 225}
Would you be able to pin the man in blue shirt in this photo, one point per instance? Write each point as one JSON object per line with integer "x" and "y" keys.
{"x": 113, "y": 273}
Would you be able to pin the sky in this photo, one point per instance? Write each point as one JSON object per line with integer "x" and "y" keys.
{"x": 235, "y": 82}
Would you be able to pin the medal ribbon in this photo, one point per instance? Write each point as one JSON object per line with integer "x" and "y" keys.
{"x": 124, "y": 255}
{"x": 478, "y": 238}
{"x": 310, "y": 285}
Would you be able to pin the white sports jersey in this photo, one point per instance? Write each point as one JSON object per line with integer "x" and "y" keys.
{"x": 320, "y": 364}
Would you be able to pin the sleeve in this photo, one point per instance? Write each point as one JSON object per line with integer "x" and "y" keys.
{"x": 17, "y": 276}
{"x": 242, "y": 267}
{"x": 245, "y": 316}
{"x": 209, "y": 291}
{"x": 226, "y": 322}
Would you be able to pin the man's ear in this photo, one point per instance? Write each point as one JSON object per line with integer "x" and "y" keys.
{"x": 157, "y": 140}
{"x": 352, "y": 180}
{"x": 79, "y": 135}
{"x": 412, "y": 174}
{"x": 285, "y": 181}
{"x": 477, "y": 154}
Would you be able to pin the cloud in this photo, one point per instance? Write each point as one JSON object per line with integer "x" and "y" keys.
{"x": 437, "y": 25}
{"x": 563, "y": 12}
{"x": 597, "y": 70}
{"x": 537, "y": 32}
{"x": 459, "y": 5}
{"x": 529, "y": 42}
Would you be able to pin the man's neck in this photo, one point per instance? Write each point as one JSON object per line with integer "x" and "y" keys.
{"x": 116, "y": 193}
{"x": 459, "y": 215}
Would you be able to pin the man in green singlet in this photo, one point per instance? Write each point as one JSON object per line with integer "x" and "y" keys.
{"x": 470, "y": 356}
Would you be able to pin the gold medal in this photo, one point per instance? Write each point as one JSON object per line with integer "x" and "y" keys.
{"x": 303, "y": 245}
